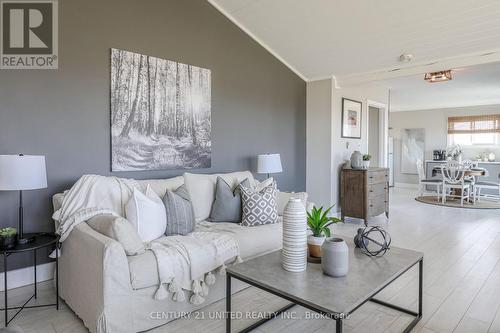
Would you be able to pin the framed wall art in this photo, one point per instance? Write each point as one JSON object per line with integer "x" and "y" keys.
{"x": 351, "y": 118}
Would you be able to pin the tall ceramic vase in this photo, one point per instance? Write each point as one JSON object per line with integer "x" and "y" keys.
{"x": 294, "y": 253}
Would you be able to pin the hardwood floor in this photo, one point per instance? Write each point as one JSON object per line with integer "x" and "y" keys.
{"x": 461, "y": 281}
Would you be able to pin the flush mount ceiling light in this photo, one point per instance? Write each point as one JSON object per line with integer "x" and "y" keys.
{"x": 438, "y": 76}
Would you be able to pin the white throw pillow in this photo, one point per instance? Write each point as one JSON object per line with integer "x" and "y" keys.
{"x": 147, "y": 214}
{"x": 120, "y": 230}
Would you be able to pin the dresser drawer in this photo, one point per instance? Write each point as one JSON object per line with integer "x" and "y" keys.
{"x": 376, "y": 177}
{"x": 377, "y": 189}
{"x": 377, "y": 204}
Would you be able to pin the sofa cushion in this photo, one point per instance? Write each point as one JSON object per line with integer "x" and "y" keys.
{"x": 201, "y": 189}
{"x": 119, "y": 229}
{"x": 252, "y": 242}
{"x": 227, "y": 203}
{"x": 147, "y": 214}
{"x": 160, "y": 186}
{"x": 180, "y": 218}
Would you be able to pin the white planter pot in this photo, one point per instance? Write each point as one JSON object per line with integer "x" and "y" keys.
{"x": 314, "y": 244}
{"x": 366, "y": 164}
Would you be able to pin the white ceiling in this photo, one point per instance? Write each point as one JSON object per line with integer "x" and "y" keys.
{"x": 320, "y": 38}
{"x": 475, "y": 85}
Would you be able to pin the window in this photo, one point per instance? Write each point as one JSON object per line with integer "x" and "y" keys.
{"x": 474, "y": 130}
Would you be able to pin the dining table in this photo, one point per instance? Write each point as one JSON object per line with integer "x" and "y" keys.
{"x": 472, "y": 172}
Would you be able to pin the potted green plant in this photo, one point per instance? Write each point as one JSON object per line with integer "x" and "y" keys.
{"x": 318, "y": 222}
{"x": 8, "y": 238}
{"x": 366, "y": 160}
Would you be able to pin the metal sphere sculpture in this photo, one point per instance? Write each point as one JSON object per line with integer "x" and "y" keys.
{"x": 373, "y": 241}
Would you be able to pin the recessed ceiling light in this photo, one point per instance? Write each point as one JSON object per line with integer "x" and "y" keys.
{"x": 440, "y": 76}
{"x": 406, "y": 57}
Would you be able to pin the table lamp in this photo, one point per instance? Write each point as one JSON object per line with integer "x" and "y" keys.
{"x": 269, "y": 163}
{"x": 19, "y": 173}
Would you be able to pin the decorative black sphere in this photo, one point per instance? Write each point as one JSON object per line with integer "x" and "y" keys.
{"x": 357, "y": 238}
{"x": 373, "y": 241}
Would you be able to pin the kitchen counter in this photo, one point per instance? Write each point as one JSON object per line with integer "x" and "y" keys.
{"x": 495, "y": 162}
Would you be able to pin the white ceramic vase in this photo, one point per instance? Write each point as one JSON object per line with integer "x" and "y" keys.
{"x": 294, "y": 252}
{"x": 335, "y": 257}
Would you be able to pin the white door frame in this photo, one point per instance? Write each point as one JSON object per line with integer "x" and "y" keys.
{"x": 383, "y": 129}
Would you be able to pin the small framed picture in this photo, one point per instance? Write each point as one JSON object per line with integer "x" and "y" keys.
{"x": 351, "y": 118}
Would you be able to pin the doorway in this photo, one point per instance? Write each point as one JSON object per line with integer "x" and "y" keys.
{"x": 374, "y": 134}
{"x": 378, "y": 133}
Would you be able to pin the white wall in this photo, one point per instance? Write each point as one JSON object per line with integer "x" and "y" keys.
{"x": 326, "y": 150}
{"x": 435, "y": 123}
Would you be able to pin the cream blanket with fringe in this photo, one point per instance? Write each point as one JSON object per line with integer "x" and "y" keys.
{"x": 92, "y": 195}
{"x": 188, "y": 263}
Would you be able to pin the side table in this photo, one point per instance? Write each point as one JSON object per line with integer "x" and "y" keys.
{"x": 40, "y": 241}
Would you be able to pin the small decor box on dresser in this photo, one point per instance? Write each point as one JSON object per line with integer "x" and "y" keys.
{"x": 364, "y": 193}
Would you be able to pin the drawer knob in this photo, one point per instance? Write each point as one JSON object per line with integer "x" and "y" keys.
{"x": 371, "y": 205}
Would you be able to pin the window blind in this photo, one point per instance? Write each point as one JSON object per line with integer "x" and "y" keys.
{"x": 474, "y": 124}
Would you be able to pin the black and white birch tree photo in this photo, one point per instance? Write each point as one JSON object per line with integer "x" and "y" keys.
{"x": 160, "y": 113}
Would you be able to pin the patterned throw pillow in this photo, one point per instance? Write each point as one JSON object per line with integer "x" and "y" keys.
{"x": 259, "y": 207}
{"x": 180, "y": 216}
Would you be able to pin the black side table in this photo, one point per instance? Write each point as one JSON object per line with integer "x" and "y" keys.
{"x": 40, "y": 241}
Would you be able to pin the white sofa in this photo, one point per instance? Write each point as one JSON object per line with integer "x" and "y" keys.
{"x": 113, "y": 292}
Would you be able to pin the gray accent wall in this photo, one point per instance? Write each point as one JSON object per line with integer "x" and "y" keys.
{"x": 258, "y": 104}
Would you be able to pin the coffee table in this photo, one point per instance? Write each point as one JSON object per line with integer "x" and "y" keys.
{"x": 335, "y": 298}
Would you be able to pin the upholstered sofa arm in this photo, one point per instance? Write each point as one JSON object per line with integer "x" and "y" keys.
{"x": 94, "y": 278}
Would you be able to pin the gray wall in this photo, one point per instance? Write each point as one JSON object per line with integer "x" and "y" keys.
{"x": 435, "y": 123}
{"x": 258, "y": 104}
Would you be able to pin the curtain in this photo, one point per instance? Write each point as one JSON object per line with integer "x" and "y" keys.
{"x": 474, "y": 124}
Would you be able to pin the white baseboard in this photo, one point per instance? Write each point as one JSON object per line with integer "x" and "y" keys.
{"x": 25, "y": 276}
{"x": 406, "y": 185}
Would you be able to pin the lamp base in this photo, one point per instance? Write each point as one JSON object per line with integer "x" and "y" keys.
{"x": 27, "y": 238}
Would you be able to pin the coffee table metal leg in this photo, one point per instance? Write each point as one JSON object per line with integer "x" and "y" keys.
{"x": 420, "y": 285}
{"x": 5, "y": 287}
{"x": 57, "y": 277}
{"x": 34, "y": 268}
{"x": 228, "y": 303}
{"x": 339, "y": 325}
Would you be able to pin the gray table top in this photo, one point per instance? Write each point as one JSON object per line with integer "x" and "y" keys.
{"x": 366, "y": 277}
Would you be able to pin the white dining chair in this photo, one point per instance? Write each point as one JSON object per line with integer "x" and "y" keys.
{"x": 423, "y": 182}
{"x": 453, "y": 174}
{"x": 482, "y": 184}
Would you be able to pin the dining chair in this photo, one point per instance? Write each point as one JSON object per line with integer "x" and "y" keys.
{"x": 468, "y": 165}
{"x": 482, "y": 184}
{"x": 453, "y": 174}
{"x": 423, "y": 182}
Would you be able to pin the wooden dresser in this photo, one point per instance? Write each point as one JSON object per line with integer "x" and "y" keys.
{"x": 364, "y": 193}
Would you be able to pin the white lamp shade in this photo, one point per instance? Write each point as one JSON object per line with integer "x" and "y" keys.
{"x": 22, "y": 172}
{"x": 269, "y": 163}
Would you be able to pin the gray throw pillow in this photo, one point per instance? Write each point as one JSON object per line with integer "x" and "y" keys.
{"x": 259, "y": 207}
{"x": 180, "y": 217}
{"x": 227, "y": 203}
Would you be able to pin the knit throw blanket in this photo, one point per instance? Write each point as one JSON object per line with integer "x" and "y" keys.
{"x": 92, "y": 195}
{"x": 188, "y": 263}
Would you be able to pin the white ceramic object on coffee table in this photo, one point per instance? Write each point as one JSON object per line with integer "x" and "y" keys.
{"x": 294, "y": 253}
